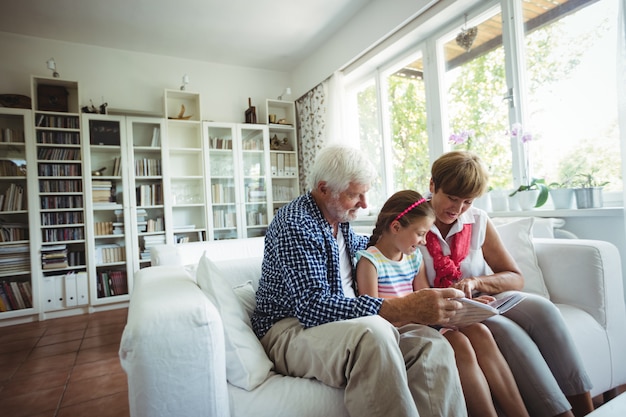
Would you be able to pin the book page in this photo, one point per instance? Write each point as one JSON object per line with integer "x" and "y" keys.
{"x": 476, "y": 312}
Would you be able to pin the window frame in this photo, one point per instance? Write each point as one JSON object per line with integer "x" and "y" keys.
{"x": 427, "y": 43}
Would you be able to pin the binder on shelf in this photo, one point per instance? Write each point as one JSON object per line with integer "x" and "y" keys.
{"x": 280, "y": 164}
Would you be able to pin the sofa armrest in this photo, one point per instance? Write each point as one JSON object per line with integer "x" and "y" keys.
{"x": 172, "y": 348}
{"x": 583, "y": 273}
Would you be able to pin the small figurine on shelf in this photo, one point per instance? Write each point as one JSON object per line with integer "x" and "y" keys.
{"x": 90, "y": 108}
{"x": 280, "y": 144}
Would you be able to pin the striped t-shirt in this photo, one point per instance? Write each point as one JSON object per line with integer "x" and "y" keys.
{"x": 395, "y": 278}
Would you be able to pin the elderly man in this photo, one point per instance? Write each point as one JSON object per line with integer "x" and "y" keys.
{"x": 312, "y": 325}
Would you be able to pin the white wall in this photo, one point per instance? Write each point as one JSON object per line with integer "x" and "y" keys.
{"x": 136, "y": 81}
{"x": 370, "y": 26}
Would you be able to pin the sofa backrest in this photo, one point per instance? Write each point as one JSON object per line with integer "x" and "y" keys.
{"x": 239, "y": 259}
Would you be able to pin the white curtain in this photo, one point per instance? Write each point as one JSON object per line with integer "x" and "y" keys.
{"x": 621, "y": 91}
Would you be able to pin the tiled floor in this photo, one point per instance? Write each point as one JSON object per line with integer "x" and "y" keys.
{"x": 69, "y": 368}
{"x": 64, "y": 367}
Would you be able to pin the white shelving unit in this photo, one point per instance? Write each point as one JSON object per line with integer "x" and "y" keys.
{"x": 147, "y": 201}
{"x": 238, "y": 174}
{"x": 185, "y": 185}
{"x": 18, "y": 187}
{"x": 109, "y": 241}
{"x": 283, "y": 150}
{"x": 60, "y": 225}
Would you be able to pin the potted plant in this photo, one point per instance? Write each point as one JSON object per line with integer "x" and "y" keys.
{"x": 562, "y": 194}
{"x": 533, "y": 195}
{"x": 589, "y": 191}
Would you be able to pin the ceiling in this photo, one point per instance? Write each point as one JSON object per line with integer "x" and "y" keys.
{"x": 268, "y": 34}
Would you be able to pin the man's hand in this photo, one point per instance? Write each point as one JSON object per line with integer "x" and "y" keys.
{"x": 427, "y": 306}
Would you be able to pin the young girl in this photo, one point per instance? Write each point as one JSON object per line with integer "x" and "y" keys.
{"x": 392, "y": 266}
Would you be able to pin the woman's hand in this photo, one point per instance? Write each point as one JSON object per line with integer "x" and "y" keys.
{"x": 467, "y": 285}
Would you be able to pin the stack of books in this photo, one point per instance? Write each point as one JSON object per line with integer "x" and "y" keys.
{"x": 102, "y": 191}
{"x": 54, "y": 257}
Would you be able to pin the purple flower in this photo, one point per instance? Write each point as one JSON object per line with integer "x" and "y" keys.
{"x": 516, "y": 130}
{"x": 460, "y": 138}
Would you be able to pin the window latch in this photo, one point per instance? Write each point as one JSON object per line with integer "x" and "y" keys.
{"x": 509, "y": 97}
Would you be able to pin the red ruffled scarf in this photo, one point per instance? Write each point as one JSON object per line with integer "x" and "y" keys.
{"x": 448, "y": 268}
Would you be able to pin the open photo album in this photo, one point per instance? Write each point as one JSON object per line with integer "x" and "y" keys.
{"x": 474, "y": 311}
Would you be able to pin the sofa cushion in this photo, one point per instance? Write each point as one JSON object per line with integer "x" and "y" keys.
{"x": 247, "y": 365}
{"x": 247, "y": 297}
{"x": 517, "y": 238}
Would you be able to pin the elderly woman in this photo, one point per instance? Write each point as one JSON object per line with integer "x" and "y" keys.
{"x": 464, "y": 251}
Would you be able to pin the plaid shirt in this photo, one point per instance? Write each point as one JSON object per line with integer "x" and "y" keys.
{"x": 300, "y": 275}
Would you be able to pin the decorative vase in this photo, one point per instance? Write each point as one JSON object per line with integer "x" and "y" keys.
{"x": 484, "y": 202}
{"x": 527, "y": 199}
{"x": 562, "y": 198}
{"x": 499, "y": 200}
{"x": 589, "y": 197}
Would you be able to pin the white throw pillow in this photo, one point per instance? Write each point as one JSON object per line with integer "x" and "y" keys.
{"x": 517, "y": 239}
{"x": 247, "y": 365}
{"x": 247, "y": 297}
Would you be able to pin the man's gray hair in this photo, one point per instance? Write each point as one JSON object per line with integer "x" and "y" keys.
{"x": 338, "y": 166}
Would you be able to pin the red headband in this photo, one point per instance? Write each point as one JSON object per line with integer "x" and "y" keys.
{"x": 409, "y": 208}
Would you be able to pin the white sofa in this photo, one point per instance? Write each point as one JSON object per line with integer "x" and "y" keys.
{"x": 175, "y": 345}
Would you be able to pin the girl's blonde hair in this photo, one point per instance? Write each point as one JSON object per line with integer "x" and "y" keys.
{"x": 405, "y": 206}
{"x": 461, "y": 174}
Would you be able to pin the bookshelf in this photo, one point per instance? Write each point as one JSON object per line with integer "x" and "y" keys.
{"x": 18, "y": 283}
{"x": 147, "y": 202}
{"x": 238, "y": 173}
{"x": 61, "y": 243}
{"x": 283, "y": 150}
{"x": 186, "y": 209}
{"x": 109, "y": 243}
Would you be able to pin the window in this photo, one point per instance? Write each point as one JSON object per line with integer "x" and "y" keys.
{"x": 571, "y": 69}
{"x": 475, "y": 85}
{"x": 556, "y": 75}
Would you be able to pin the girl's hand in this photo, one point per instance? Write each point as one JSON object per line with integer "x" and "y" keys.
{"x": 486, "y": 299}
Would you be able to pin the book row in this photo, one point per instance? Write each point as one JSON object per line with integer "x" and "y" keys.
{"x": 13, "y": 232}
{"x": 60, "y": 186}
{"x": 58, "y": 218}
{"x": 108, "y": 254}
{"x": 61, "y": 202}
{"x": 151, "y": 225}
{"x": 61, "y": 122}
{"x": 149, "y": 195}
{"x": 58, "y": 154}
{"x": 13, "y": 198}
{"x": 58, "y": 138}
{"x": 108, "y": 228}
{"x": 11, "y": 135}
{"x": 15, "y": 295}
{"x": 147, "y": 167}
{"x": 112, "y": 282}
{"x": 60, "y": 235}
{"x": 59, "y": 170}
{"x": 222, "y": 194}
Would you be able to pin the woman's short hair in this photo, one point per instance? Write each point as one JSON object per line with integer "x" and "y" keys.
{"x": 460, "y": 173}
{"x": 338, "y": 166}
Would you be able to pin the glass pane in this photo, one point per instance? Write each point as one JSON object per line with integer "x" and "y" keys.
{"x": 370, "y": 138}
{"x": 475, "y": 84}
{"x": 409, "y": 137}
{"x": 571, "y": 69}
